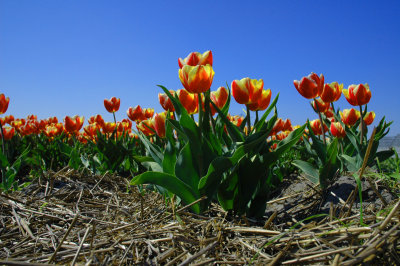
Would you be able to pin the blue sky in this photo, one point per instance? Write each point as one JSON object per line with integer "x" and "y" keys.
{"x": 61, "y": 58}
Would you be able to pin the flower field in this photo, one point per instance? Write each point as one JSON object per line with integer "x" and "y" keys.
{"x": 198, "y": 185}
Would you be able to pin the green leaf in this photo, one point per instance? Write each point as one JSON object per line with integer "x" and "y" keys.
{"x": 170, "y": 182}
{"x": 233, "y": 130}
{"x": 308, "y": 169}
{"x": 185, "y": 168}
{"x": 261, "y": 122}
{"x": 169, "y": 160}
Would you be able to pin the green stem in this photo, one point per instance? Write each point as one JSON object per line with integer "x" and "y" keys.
{"x": 320, "y": 119}
{"x": 200, "y": 112}
{"x": 4, "y": 152}
{"x": 248, "y": 120}
{"x": 115, "y": 120}
{"x": 256, "y": 117}
{"x": 361, "y": 125}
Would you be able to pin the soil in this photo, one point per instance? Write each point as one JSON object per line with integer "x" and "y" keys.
{"x": 72, "y": 217}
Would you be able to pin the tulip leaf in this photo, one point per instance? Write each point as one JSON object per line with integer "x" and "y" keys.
{"x": 151, "y": 148}
{"x": 308, "y": 169}
{"x": 261, "y": 122}
{"x": 170, "y": 152}
{"x": 185, "y": 168}
{"x": 233, "y": 130}
{"x": 171, "y": 183}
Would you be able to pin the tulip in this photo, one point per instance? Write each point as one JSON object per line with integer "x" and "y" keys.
{"x": 73, "y": 125}
{"x": 278, "y": 126}
{"x": 329, "y": 112}
{"x": 96, "y": 119}
{"x": 369, "y": 118}
{"x": 247, "y": 91}
{"x": 146, "y": 127}
{"x": 166, "y": 102}
{"x": 350, "y": 116}
{"x": 196, "y": 58}
{"x": 8, "y": 133}
{"x": 188, "y": 100}
{"x": 357, "y": 95}
{"x": 262, "y": 102}
{"x": 92, "y": 129}
{"x": 219, "y": 98}
{"x": 331, "y": 92}
{"x": 311, "y": 86}
{"x": 148, "y": 112}
{"x": 287, "y": 125}
{"x": 316, "y": 127}
{"x": 31, "y": 117}
{"x": 136, "y": 114}
{"x": 236, "y": 119}
{"x": 196, "y": 79}
{"x": 159, "y": 124}
{"x": 3, "y": 103}
{"x": 320, "y": 106}
{"x": 8, "y": 119}
{"x": 337, "y": 130}
{"x": 112, "y": 105}
{"x": 109, "y": 127}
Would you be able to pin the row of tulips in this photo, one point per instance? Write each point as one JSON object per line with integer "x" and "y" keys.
{"x": 227, "y": 158}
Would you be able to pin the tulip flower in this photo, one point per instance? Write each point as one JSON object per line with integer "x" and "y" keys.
{"x": 357, "y": 95}
{"x": 109, "y": 127}
{"x": 159, "y": 124}
{"x": 8, "y": 133}
{"x": 31, "y": 117}
{"x": 331, "y": 92}
{"x": 236, "y": 119}
{"x": 148, "y": 112}
{"x": 278, "y": 126}
{"x": 112, "y": 105}
{"x": 350, "y": 116}
{"x": 92, "y": 129}
{"x": 369, "y": 118}
{"x": 311, "y": 86}
{"x": 316, "y": 127}
{"x": 247, "y": 91}
{"x": 337, "y": 130}
{"x": 262, "y": 102}
{"x": 74, "y": 124}
{"x": 196, "y": 58}
{"x": 96, "y": 119}
{"x": 8, "y": 119}
{"x": 287, "y": 125}
{"x": 188, "y": 100}
{"x": 4, "y": 103}
{"x": 219, "y": 98}
{"x": 166, "y": 102}
{"x": 196, "y": 79}
{"x": 146, "y": 127}
{"x": 329, "y": 112}
{"x": 136, "y": 114}
{"x": 320, "y": 106}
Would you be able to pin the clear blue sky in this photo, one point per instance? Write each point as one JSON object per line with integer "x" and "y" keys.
{"x": 61, "y": 58}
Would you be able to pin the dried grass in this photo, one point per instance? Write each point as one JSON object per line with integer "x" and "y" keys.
{"x": 92, "y": 220}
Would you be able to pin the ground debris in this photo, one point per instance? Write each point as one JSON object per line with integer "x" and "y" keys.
{"x": 95, "y": 220}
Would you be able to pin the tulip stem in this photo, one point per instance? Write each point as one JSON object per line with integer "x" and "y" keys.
{"x": 361, "y": 125}
{"x": 248, "y": 120}
{"x": 3, "y": 150}
{"x": 200, "y": 112}
{"x": 256, "y": 117}
{"x": 320, "y": 119}
{"x": 115, "y": 120}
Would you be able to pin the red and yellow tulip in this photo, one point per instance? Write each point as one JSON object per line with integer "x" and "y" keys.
{"x": 337, "y": 130}
{"x": 357, "y": 95}
{"x": 369, "y": 118}
{"x": 247, "y": 91}
{"x": 196, "y": 79}
{"x": 73, "y": 124}
{"x": 112, "y": 105}
{"x": 350, "y": 116}
{"x": 331, "y": 92}
{"x": 196, "y": 58}
{"x": 311, "y": 86}
{"x": 4, "y": 103}
{"x": 166, "y": 102}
